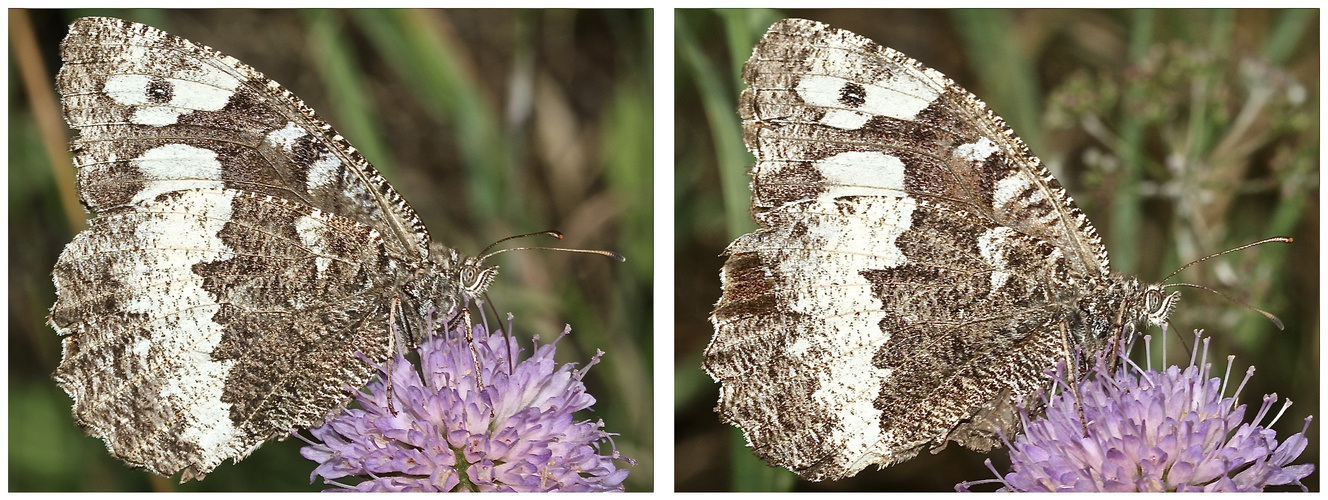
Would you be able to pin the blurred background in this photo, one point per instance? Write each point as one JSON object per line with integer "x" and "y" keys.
{"x": 1179, "y": 132}
{"x": 489, "y": 122}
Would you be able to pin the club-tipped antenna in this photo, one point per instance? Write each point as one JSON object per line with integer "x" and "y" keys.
{"x": 1278, "y": 239}
{"x": 485, "y": 254}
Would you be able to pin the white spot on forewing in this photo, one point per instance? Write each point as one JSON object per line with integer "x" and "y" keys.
{"x": 130, "y": 90}
{"x": 1009, "y": 200}
{"x": 992, "y": 246}
{"x": 313, "y": 234}
{"x": 182, "y": 342}
{"x": 861, "y": 173}
{"x": 186, "y": 96}
{"x": 901, "y": 97}
{"x": 285, "y": 137}
{"x": 175, "y": 167}
{"x": 157, "y": 116}
{"x": 977, "y": 151}
{"x": 322, "y": 172}
{"x": 201, "y": 97}
{"x": 1008, "y": 189}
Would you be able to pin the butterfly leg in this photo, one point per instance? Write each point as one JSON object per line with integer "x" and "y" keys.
{"x": 474, "y": 354}
{"x": 1072, "y": 366}
{"x": 464, "y": 317}
{"x": 1117, "y": 328}
{"x": 396, "y": 345}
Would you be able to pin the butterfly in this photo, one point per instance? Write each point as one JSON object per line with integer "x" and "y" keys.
{"x": 242, "y": 260}
{"x": 916, "y": 270}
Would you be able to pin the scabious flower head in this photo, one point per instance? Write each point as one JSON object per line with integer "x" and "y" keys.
{"x": 1144, "y": 430}
{"x": 444, "y": 432}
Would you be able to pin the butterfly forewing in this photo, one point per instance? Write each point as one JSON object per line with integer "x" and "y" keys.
{"x": 157, "y": 113}
{"x": 911, "y": 263}
{"x": 816, "y": 92}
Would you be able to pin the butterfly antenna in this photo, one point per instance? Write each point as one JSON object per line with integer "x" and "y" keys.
{"x": 612, "y": 255}
{"x": 555, "y": 234}
{"x": 1266, "y": 314}
{"x": 1279, "y": 239}
{"x": 484, "y": 256}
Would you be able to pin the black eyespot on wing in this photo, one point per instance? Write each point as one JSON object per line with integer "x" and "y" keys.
{"x": 852, "y": 95}
{"x": 160, "y": 91}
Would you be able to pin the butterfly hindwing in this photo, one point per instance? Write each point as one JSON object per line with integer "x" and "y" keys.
{"x": 167, "y": 307}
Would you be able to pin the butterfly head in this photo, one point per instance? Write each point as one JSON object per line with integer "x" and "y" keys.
{"x": 474, "y": 277}
{"x": 1158, "y": 304}
{"x": 462, "y": 277}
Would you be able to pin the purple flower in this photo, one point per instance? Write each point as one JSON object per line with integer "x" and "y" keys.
{"x": 1152, "y": 431}
{"x": 443, "y": 433}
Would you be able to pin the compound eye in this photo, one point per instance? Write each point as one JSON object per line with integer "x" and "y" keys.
{"x": 1152, "y": 300}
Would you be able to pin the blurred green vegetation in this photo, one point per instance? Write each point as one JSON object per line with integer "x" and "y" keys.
{"x": 1179, "y": 132}
{"x": 489, "y": 122}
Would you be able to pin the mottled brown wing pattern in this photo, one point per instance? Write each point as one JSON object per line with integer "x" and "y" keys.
{"x": 911, "y": 268}
{"x": 805, "y": 81}
{"x": 156, "y": 113}
{"x": 163, "y": 309}
{"x": 238, "y": 275}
